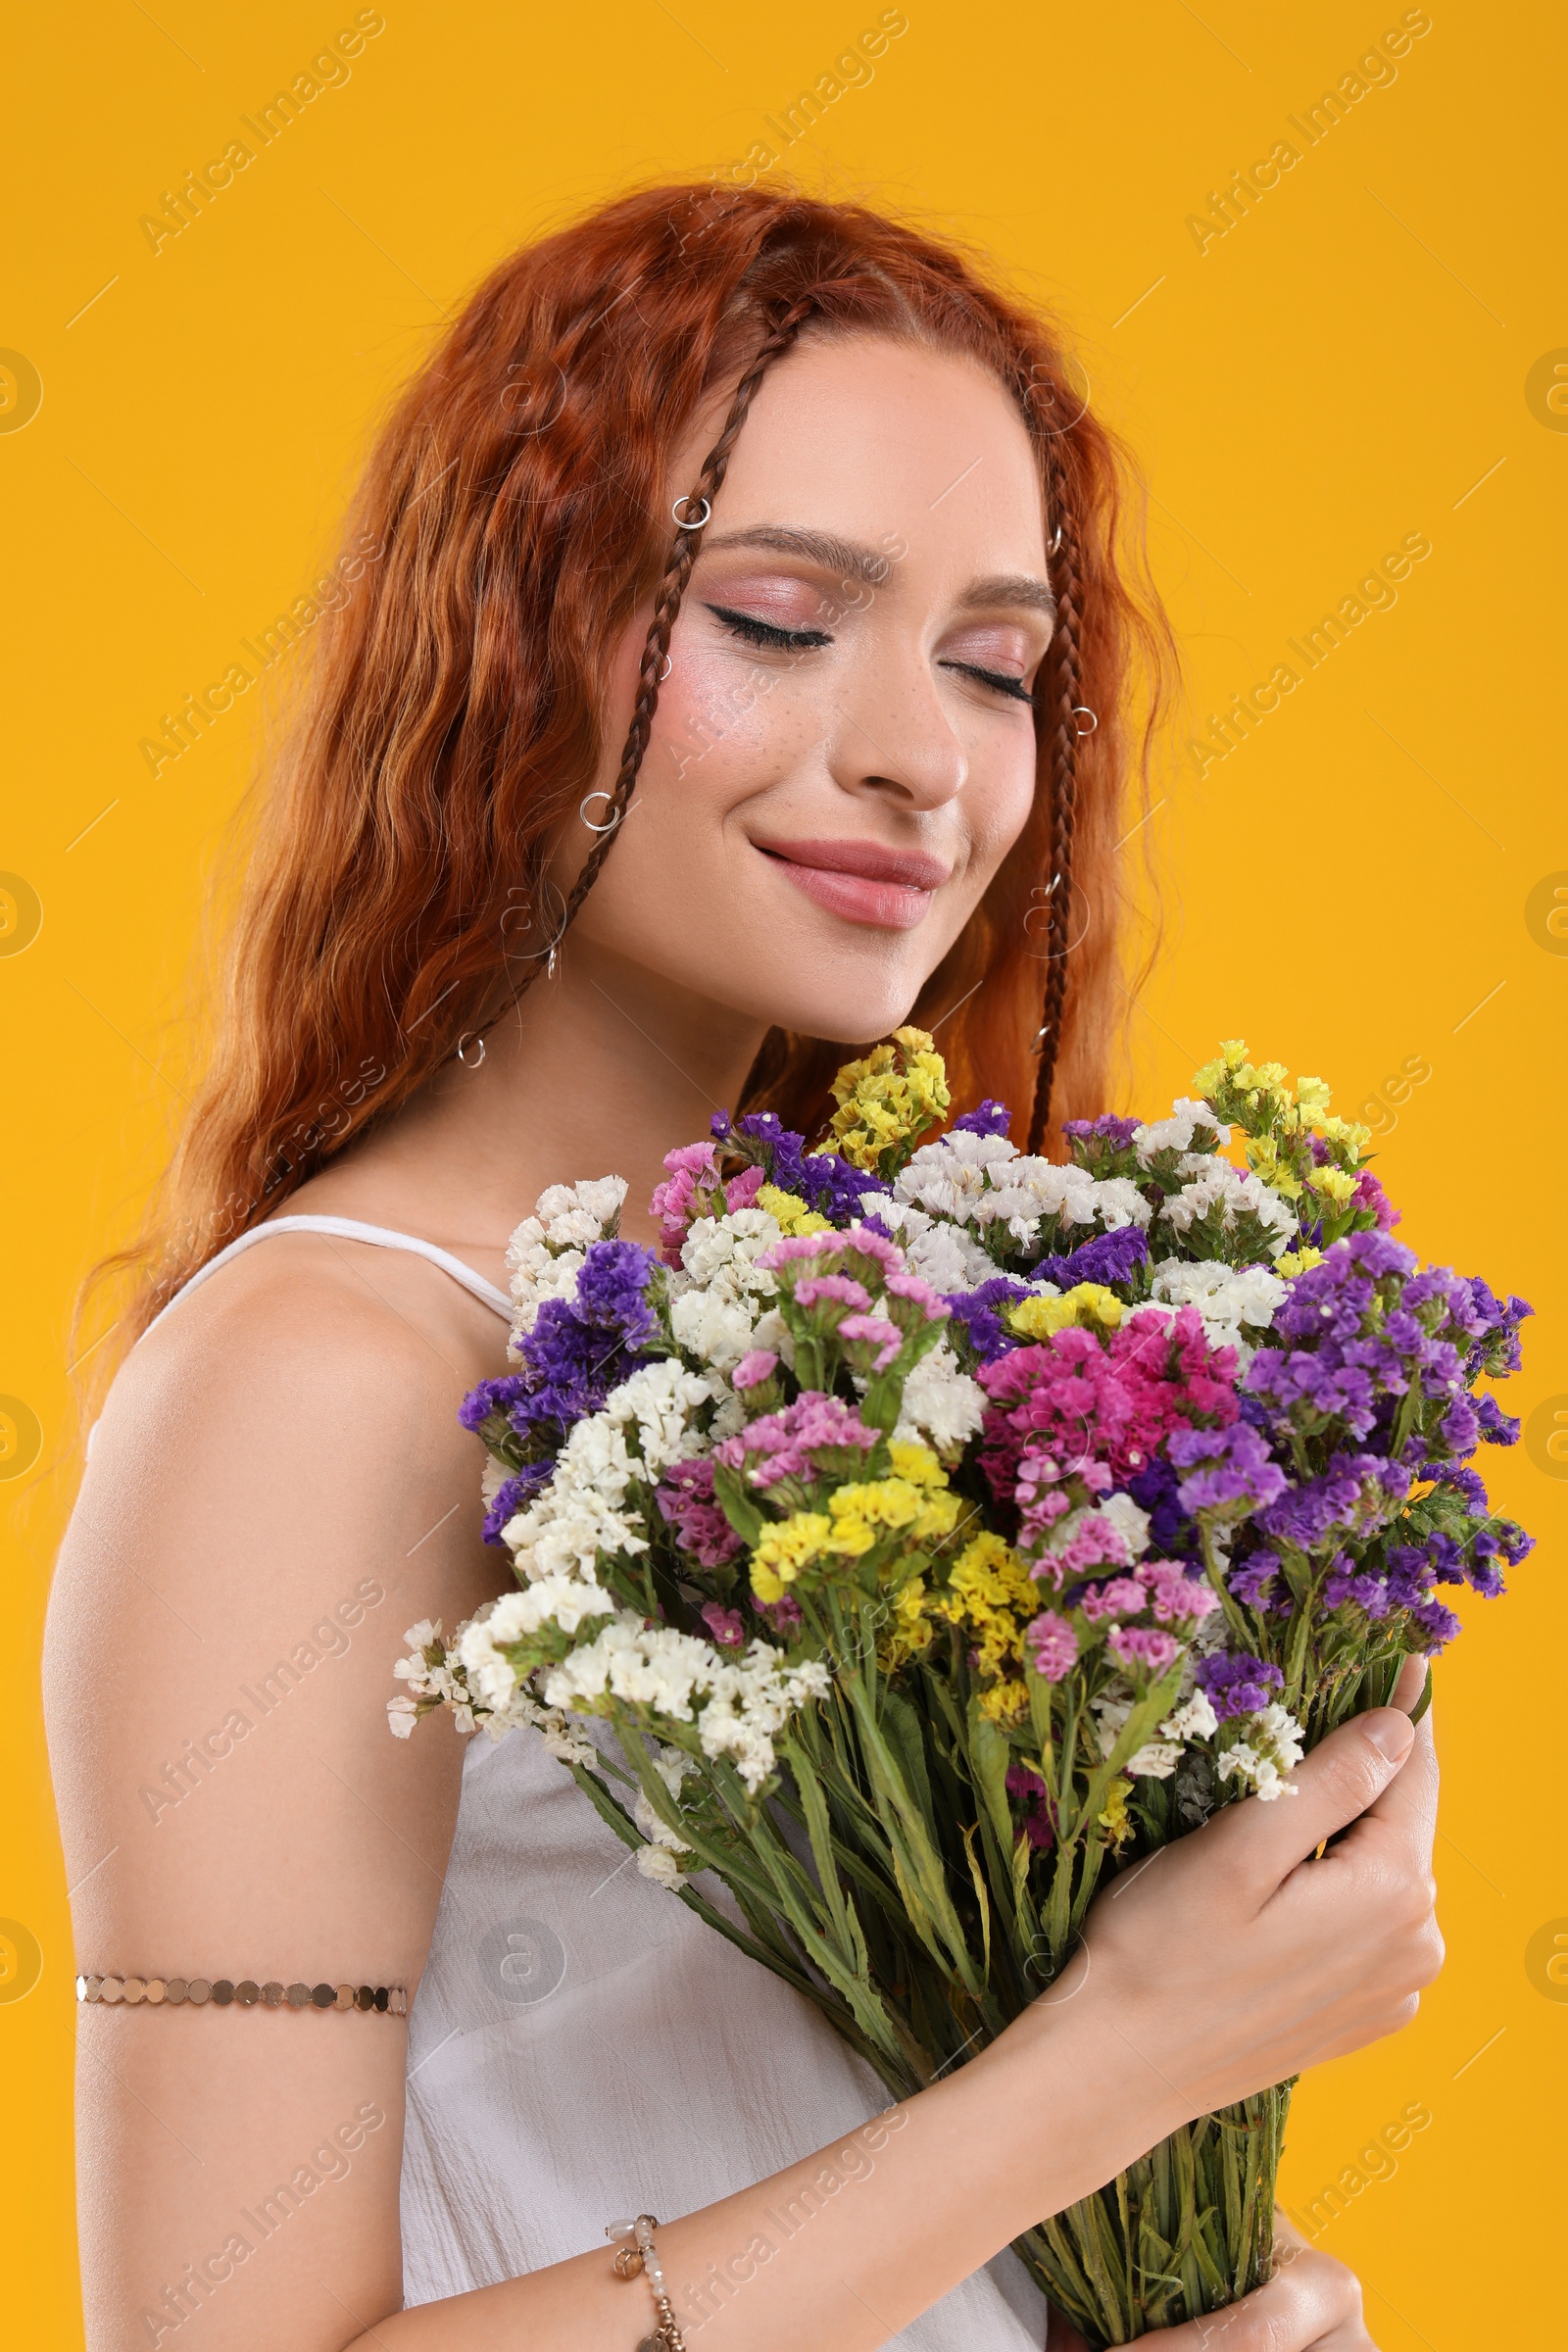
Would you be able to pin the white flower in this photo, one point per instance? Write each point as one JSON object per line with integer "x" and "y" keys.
{"x": 656, "y": 1862}
{"x": 942, "y": 1407}
{"x": 1194, "y": 1719}
{"x": 1226, "y": 1298}
{"x": 1156, "y": 1760}
{"x": 1119, "y": 1202}
{"x": 722, "y": 1253}
{"x": 1215, "y": 1183}
{"x": 944, "y": 1254}
{"x": 1270, "y": 1747}
{"x": 656, "y": 1831}
{"x": 402, "y": 1715}
{"x": 546, "y": 1252}
{"x": 1175, "y": 1134}
{"x": 950, "y": 1178}
{"x": 708, "y": 1325}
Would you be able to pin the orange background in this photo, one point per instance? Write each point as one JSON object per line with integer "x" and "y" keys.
{"x": 1365, "y": 886}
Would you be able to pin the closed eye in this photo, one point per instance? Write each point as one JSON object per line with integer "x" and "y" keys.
{"x": 1014, "y": 688}
{"x": 766, "y": 633}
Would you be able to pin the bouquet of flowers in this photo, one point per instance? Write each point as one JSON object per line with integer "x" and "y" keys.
{"x": 940, "y": 1529}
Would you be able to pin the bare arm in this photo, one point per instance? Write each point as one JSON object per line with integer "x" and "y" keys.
{"x": 286, "y": 1454}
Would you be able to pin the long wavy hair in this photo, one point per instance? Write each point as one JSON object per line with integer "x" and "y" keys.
{"x": 511, "y": 520}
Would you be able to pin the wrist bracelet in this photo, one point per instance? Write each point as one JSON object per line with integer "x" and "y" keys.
{"x": 642, "y": 2256}
{"x": 200, "y": 1990}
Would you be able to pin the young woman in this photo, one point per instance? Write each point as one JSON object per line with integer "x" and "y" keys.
{"x": 735, "y": 657}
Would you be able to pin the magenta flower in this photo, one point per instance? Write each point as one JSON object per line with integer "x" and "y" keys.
{"x": 786, "y": 1445}
{"x": 686, "y": 1504}
{"x": 1054, "y": 1642}
{"x": 755, "y": 1365}
{"x": 724, "y": 1625}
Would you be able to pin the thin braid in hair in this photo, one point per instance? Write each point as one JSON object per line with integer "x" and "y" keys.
{"x": 667, "y": 606}
{"x": 1061, "y": 720}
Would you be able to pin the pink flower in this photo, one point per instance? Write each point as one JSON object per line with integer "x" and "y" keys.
{"x": 1121, "y": 1593}
{"x": 1174, "y": 1596}
{"x": 882, "y": 1252}
{"x": 724, "y": 1625}
{"x": 682, "y": 1197}
{"x": 742, "y": 1190}
{"x": 755, "y": 1365}
{"x": 1054, "y": 1645}
{"x": 878, "y": 1333}
{"x": 842, "y": 1287}
{"x": 784, "y": 1615}
{"x": 786, "y": 1445}
{"x": 911, "y": 1287}
{"x": 1137, "y": 1649}
{"x": 799, "y": 1245}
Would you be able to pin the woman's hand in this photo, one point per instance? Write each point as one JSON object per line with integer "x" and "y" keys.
{"x": 1253, "y": 1948}
{"x": 1311, "y": 2304}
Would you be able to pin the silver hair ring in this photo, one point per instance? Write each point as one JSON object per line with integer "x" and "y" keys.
{"x": 1054, "y": 549}
{"x": 1082, "y": 713}
{"x": 470, "y": 1037}
{"x": 701, "y": 519}
{"x": 612, "y": 821}
{"x": 664, "y": 672}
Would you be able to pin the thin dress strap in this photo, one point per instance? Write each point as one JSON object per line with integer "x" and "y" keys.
{"x": 380, "y": 1237}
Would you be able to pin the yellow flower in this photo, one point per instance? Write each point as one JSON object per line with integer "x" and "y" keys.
{"x": 916, "y": 1463}
{"x": 911, "y": 1629}
{"x": 870, "y": 1507}
{"x": 1299, "y": 1261}
{"x": 1089, "y": 1302}
{"x": 892, "y": 1095}
{"x": 782, "y": 1551}
{"x": 1311, "y": 1094}
{"x": 1334, "y": 1184}
{"x": 991, "y": 1591}
{"x": 1115, "y": 1819}
{"x": 791, "y": 1211}
{"x": 1355, "y": 1138}
{"x": 1005, "y": 1703}
{"x": 1263, "y": 1159}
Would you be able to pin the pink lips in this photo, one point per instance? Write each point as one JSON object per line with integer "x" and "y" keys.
{"x": 863, "y": 881}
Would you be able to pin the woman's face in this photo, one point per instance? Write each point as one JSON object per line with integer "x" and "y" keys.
{"x": 844, "y": 748}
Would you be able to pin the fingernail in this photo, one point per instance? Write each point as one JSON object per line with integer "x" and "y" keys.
{"x": 1390, "y": 1732}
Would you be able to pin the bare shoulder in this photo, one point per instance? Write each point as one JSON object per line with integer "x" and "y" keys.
{"x": 277, "y": 1488}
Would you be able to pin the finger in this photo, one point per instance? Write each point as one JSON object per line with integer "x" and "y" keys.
{"x": 1402, "y": 1821}
{"x": 1411, "y": 1685}
{"x": 1345, "y": 1774}
{"x": 1311, "y": 2304}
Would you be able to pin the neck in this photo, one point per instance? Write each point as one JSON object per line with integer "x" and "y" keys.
{"x": 599, "y": 1070}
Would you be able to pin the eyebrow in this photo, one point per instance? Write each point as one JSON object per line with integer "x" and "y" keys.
{"x": 847, "y": 559}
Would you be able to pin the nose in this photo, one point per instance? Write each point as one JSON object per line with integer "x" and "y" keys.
{"x": 891, "y": 736}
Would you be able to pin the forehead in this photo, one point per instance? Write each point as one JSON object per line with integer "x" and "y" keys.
{"x": 875, "y": 439}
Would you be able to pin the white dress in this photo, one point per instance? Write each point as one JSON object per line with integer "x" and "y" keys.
{"x": 582, "y": 2047}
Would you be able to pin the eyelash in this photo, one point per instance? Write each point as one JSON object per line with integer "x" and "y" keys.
{"x": 767, "y": 634}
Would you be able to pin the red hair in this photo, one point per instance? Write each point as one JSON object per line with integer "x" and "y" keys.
{"x": 515, "y": 518}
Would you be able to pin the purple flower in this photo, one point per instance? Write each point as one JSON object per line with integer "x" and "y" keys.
{"x": 491, "y": 1396}
{"x": 988, "y": 1117}
{"x": 978, "y": 1313}
{"x": 1235, "y": 1684}
{"x": 1353, "y": 1495}
{"x": 511, "y": 1496}
{"x": 823, "y": 1180}
{"x": 1252, "y": 1580}
{"x": 1106, "y": 1257}
{"x": 1230, "y": 1471}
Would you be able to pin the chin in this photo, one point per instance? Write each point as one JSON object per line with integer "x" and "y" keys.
{"x": 846, "y": 1013}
